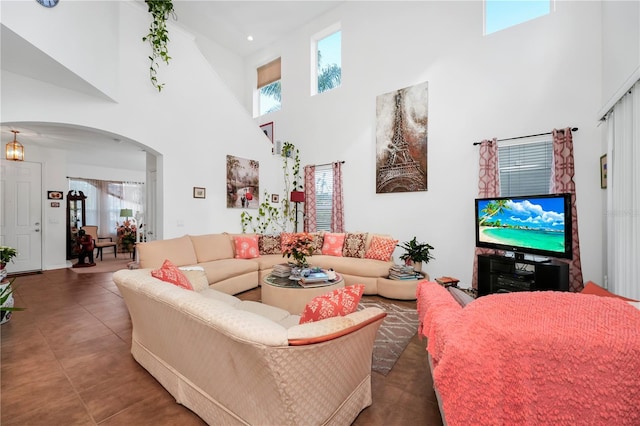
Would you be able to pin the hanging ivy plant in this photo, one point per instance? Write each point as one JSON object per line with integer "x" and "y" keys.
{"x": 158, "y": 36}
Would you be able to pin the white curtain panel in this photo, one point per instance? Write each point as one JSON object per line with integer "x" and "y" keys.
{"x": 623, "y": 196}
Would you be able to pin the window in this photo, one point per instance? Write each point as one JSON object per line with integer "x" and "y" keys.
{"x": 501, "y": 14}
{"x": 269, "y": 88}
{"x": 326, "y": 51}
{"x": 525, "y": 169}
{"x": 324, "y": 197}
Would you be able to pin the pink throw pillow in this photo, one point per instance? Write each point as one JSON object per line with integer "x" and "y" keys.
{"x": 246, "y": 247}
{"x": 381, "y": 248}
{"x": 170, "y": 273}
{"x": 332, "y": 244}
{"x": 339, "y": 302}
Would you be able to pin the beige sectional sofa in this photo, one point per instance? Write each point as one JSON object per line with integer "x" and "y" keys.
{"x": 242, "y": 362}
{"x": 216, "y": 254}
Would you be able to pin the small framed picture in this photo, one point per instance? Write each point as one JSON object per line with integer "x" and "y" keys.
{"x": 267, "y": 128}
{"x": 275, "y": 198}
{"x": 55, "y": 204}
{"x": 199, "y": 192}
{"x": 603, "y": 171}
{"x": 55, "y": 195}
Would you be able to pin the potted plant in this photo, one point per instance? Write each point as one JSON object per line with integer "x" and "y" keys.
{"x": 6, "y": 301}
{"x": 299, "y": 248}
{"x": 416, "y": 253}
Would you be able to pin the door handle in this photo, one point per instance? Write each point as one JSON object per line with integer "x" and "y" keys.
{"x": 38, "y": 230}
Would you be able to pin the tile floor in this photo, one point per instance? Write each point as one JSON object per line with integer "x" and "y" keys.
{"x": 66, "y": 361}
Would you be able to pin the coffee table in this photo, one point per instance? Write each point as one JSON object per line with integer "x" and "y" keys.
{"x": 291, "y": 296}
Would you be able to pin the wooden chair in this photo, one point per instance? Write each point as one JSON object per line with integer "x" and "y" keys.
{"x": 100, "y": 242}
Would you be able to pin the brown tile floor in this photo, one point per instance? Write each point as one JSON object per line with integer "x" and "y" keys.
{"x": 66, "y": 361}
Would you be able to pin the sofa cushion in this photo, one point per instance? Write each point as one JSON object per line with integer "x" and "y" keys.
{"x": 210, "y": 293}
{"x": 212, "y": 247}
{"x": 179, "y": 250}
{"x": 318, "y": 240}
{"x": 381, "y": 248}
{"x": 593, "y": 288}
{"x": 224, "y": 269}
{"x": 339, "y": 302}
{"x": 273, "y": 313}
{"x": 269, "y": 244}
{"x": 171, "y": 274}
{"x": 354, "y": 244}
{"x": 333, "y": 243}
{"x": 196, "y": 276}
{"x": 246, "y": 247}
{"x": 462, "y": 297}
{"x": 352, "y": 266}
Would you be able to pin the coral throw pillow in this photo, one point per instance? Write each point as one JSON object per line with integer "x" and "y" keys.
{"x": 354, "y": 244}
{"x": 381, "y": 248}
{"x": 269, "y": 244}
{"x": 246, "y": 247}
{"x": 339, "y": 302}
{"x": 593, "y": 288}
{"x": 170, "y": 273}
{"x": 332, "y": 244}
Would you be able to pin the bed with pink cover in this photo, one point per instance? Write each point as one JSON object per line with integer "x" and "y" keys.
{"x": 533, "y": 358}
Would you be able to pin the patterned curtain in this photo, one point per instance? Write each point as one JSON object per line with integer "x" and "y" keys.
{"x": 310, "y": 199}
{"x": 488, "y": 186}
{"x": 562, "y": 182}
{"x": 337, "y": 211}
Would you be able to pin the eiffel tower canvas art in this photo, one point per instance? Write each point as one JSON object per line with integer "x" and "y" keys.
{"x": 401, "y": 140}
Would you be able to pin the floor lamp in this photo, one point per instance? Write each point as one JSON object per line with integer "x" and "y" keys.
{"x": 297, "y": 197}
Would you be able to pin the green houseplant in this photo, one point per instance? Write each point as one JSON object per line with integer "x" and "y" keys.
{"x": 6, "y": 300}
{"x": 416, "y": 253}
{"x": 158, "y": 36}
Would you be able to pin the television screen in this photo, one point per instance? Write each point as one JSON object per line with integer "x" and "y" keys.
{"x": 538, "y": 224}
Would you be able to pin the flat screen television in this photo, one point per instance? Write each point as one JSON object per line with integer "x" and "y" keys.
{"x": 537, "y": 224}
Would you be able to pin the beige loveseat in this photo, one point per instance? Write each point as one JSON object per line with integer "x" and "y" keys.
{"x": 216, "y": 254}
{"x": 242, "y": 362}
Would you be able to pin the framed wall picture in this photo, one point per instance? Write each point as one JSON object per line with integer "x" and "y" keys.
{"x": 275, "y": 198}
{"x": 199, "y": 192}
{"x": 603, "y": 171}
{"x": 55, "y": 195}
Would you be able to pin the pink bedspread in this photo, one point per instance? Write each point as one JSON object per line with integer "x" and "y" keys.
{"x": 541, "y": 358}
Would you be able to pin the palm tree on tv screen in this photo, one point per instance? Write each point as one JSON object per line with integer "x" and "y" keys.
{"x": 493, "y": 208}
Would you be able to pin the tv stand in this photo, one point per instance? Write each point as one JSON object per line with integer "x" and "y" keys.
{"x": 499, "y": 274}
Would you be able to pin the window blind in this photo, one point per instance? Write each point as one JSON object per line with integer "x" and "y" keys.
{"x": 525, "y": 169}
{"x": 268, "y": 73}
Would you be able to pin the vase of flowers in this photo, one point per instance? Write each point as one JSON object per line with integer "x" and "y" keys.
{"x": 126, "y": 235}
{"x": 299, "y": 247}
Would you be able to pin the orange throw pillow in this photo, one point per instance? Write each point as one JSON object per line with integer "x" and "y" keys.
{"x": 170, "y": 273}
{"x": 246, "y": 247}
{"x": 593, "y": 288}
{"x": 381, "y": 248}
{"x": 339, "y": 302}
{"x": 332, "y": 244}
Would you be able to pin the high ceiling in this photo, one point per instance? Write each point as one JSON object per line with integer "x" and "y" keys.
{"x": 228, "y": 23}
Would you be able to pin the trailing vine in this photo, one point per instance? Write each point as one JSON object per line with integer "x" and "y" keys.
{"x": 277, "y": 218}
{"x": 158, "y": 36}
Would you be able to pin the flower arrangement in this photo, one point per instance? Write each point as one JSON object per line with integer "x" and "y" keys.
{"x": 126, "y": 233}
{"x": 299, "y": 247}
{"x": 6, "y": 255}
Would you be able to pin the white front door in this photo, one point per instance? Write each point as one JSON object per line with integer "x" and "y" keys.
{"x": 20, "y": 224}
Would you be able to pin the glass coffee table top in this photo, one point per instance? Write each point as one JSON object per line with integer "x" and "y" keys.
{"x": 289, "y": 283}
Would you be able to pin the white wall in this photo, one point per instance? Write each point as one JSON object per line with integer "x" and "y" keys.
{"x": 528, "y": 79}
{"x": 192, "y": 124}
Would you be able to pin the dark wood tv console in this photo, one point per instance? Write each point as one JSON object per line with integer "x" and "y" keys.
{"x": 499, "y": 274}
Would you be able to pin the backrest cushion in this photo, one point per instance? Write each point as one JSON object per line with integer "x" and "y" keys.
{"x": 171, "y": 274}
{"x": 246, "y": 246}
{"x": 318, "y": 240}
{"x": 179, "y": 250}
{"x": 333, "y": 243}
{"x": 354, "y": 244}
{"x": 213, "y": 247}
{"x": 196, "y": 276}
{"x": 593, "y": 288}
{"x": 339, "y": 302}
{"x": 269, "y": 244}
{"x": 381, "y": 248}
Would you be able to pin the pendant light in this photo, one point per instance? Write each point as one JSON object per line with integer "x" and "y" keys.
{"x": 15, "y": 150}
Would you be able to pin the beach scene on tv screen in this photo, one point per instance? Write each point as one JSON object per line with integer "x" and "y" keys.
{"x": 536, "y": 223}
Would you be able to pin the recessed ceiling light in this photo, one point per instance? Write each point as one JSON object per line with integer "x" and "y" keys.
{"x": 250, "y": 37}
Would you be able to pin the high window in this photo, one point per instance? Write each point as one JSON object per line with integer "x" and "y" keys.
{"x": 269, "y": 88}
{"x": 525, "y": 169}
{"x": 326, "y": 54}
{"x": 501, "y": 14}
{"x": 324, "y": 196}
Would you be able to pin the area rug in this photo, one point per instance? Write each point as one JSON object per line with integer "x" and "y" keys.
{"x": 108, "y": 264}
{"x": 397, "y": 329}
